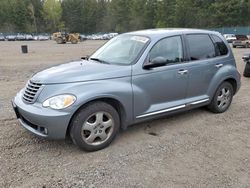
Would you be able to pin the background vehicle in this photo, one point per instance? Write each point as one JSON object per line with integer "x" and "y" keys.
{"x": 246, "y": 59}
{"x": 132, "y": 78}
{"x": 43, "y": 37}
{"x": 29, "y": 37}
{"x": 242, "y": 41}
{"x": 63, "y": 37}
{"x": 11, "y": 37}
{"x": 20, "y": 37}
{"x": 2, "y": 38}
{"x": 230, "y": 37}
{"x": 83, "y": 37}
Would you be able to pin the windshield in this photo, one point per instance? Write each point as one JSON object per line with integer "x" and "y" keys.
{"x": 122, "y": 49}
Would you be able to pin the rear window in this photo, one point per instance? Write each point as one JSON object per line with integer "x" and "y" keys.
{"x": 200, "y": 47}
{"x": 220, "y": 46}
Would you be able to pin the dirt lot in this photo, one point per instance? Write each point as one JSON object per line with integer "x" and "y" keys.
{"x": 194, "y": 149}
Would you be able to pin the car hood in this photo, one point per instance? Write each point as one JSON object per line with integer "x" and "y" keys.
{"x": 80, "y": 71}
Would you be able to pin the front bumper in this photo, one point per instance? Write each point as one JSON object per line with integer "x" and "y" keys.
{"x": 44, "y": 122}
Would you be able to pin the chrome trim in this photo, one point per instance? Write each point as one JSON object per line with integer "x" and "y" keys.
{"x": 200, "y": 101}
{"x": 31, "y": 92}
{"x": 219, "y": 65}
{"x": 182, "y": 72}
{"x": 173, "y": 108}
{"x": 161, "y": 111}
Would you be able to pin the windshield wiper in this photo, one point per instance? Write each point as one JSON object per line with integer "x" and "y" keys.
{"x": 99, "y": 60}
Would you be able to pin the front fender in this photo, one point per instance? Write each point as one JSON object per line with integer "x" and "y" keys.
{"x": 118, "y": 89}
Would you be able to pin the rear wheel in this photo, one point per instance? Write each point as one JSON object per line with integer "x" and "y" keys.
{"x": 95, "y": 126}
{"x": 234, "y": 46}
{"x": 247, "y": 45}
{"x": 222, "y": 98}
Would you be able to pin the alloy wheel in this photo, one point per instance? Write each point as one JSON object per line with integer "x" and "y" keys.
{"x": 98, "y": 128}
{"x": 224, "y": 98}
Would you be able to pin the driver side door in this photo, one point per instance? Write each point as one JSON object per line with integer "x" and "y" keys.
{"x": 161, "y": 89}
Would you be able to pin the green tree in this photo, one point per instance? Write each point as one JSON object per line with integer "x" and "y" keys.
{"x": 150, "y": 13}
{"x": 4, "y": 18}
{"x": 185, "y": 13}
{"x": 18, "y": 16}
{"x": 36, "y": 8}
{"x": 136, "y": 15}
{"x": 89, "y": 16}
{"x": 120, "y": 15}
{"x": 101, "y": 14}
{"x": 165, "y": 16}
{"x": 230, "y": 13}
{"x": 52, "y": 13}
{"x": 72, "y": 15}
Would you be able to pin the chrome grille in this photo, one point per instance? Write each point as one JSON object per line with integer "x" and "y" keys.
{"x": 31, "y": 91}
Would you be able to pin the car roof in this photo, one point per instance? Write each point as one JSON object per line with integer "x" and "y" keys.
{"x": 158, "y": 33}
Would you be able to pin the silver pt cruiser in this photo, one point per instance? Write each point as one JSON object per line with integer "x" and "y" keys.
{"x": 132, "y": 78}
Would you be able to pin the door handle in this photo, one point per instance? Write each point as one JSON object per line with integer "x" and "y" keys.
{"x": 181, "y": 72}
{"x": 219, "y": 65}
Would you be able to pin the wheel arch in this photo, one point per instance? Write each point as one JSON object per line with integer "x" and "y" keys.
{"x": 115, "y": 103}
{"x": 233, "y": 82}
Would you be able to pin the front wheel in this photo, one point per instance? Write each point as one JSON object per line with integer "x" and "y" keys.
{"x": 222, "y": 98}
{"x": 74, "y": 41}
{"x": 59, "y": 41}
{"x": 95, "y": 126}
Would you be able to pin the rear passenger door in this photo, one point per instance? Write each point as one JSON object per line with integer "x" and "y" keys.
{"x": 205, "y": 60}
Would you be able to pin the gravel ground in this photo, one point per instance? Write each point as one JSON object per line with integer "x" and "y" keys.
{"x": 192, "y": 149}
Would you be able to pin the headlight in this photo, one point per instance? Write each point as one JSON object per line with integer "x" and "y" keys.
{"x": 60, "y": 101}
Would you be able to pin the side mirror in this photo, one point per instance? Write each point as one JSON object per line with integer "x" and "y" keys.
{"x": 156, "y": 62}
{"x": 246, "y": 57}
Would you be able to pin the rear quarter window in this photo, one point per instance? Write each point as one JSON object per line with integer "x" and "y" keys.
{"x": 200, "y": 47}
{"x": 220, "y": 46}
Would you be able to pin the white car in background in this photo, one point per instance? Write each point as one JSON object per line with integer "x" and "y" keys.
{"x": 2, "y": 38}
{"x": 29, "y": 37}
{"x": 230, "y": 37}
{"x": 43, "y": 37}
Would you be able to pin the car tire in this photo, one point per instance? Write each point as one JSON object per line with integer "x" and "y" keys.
{"x": 59, "y": 41}
{"x": 74, "y": 41}
{"x": 234, "y": 46}
{"x": 247, "y": 45}
{"x": 95, "y": 126}
{"x": 222, "y": 98}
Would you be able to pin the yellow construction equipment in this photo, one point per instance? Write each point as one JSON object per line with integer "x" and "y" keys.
{"x": 63, "y": 37}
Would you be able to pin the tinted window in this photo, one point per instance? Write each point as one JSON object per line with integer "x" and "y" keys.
{"x": 200, "y": 47}
{"x": 169, "y": 48}
{"x": 221, "y": 48}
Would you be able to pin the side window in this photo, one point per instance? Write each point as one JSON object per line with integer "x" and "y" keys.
{"x": 168, "y": 48}
{"x": 200, "y": 47}
{"x": 221, "y": 48}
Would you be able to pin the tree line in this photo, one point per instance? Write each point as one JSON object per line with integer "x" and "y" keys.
{"x": 92, "y": 16}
